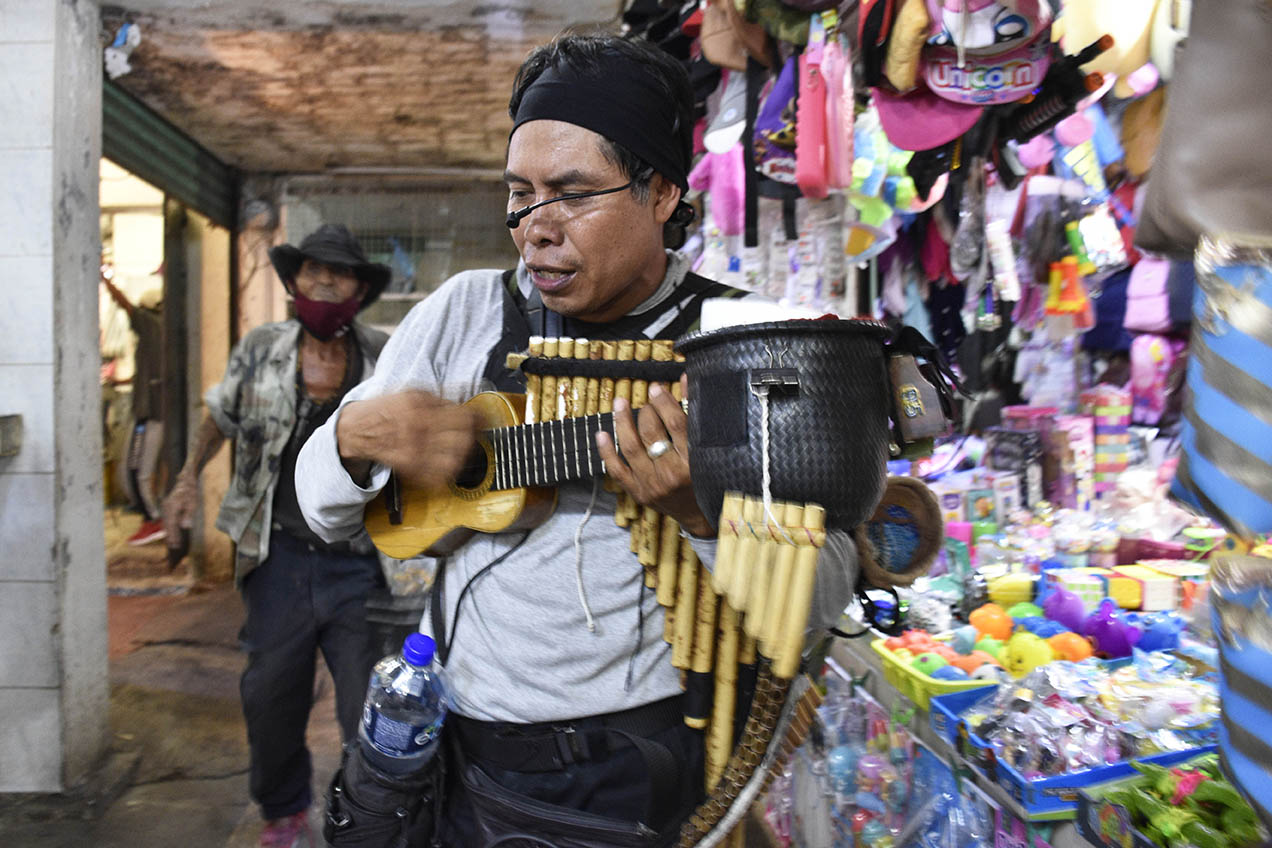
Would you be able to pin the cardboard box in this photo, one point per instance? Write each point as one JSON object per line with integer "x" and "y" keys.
{"x": 1005, "y": 486}
{"x": 981, "y": 507}
{"x": 1087, "y": 586}
{"x": 951, "y": 500}
{"x": 1143, "y": 588}
{"x": 1019, "y": 452}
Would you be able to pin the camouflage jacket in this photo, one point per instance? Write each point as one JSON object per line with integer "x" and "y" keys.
{"x": 255, "y": 405}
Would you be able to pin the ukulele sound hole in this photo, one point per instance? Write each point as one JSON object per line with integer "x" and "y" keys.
{"x": 475, "y": 468}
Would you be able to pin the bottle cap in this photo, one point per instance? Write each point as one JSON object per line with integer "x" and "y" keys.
{"x": 418, "y": 649}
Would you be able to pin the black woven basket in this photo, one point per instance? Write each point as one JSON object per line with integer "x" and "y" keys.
{"x": 828, "y": 414}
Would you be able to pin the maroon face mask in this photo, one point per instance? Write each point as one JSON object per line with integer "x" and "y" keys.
{"x": 325, "y": 320}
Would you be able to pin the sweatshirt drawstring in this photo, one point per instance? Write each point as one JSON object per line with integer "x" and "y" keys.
{"x": 578, "y": 557}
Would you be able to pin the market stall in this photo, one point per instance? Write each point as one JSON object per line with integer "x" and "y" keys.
{"x": 981, "y": 176}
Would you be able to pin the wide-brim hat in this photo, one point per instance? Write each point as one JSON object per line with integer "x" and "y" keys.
{"x": 920, "y": 120}
{"x": 332, "y": 244}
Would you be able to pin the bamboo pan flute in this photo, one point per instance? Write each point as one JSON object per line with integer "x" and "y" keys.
{"x": 754, "y": 603}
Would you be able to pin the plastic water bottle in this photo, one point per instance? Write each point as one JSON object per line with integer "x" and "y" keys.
{"x": 405, "y": 707}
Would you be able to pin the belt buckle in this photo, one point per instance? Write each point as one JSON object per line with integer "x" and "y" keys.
{"x": 572, "y": 746}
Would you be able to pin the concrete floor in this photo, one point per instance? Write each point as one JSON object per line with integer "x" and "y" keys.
{"x": 176, "y": 772}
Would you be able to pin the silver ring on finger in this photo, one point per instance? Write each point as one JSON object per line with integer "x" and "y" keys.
{"x": 658, "y": 448}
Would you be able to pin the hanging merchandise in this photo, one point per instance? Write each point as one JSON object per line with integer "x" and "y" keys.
{"x": 811, "y": 165}
{"x": 1102, "y": 240}
{"x": 1003, "y": 260}
{"x": 727, "y": 39}
{"x": 816, "y": 276}
{"x": 783, "y": 20}
{"x": 986, "y": 53}
{"x": 1156, "y": 373}
{"x": 1109, "y": 332}
{"x": 1147, "y": 297}
{"x": 775, "y": 127}
{"x": 1127, "y": 21}
{"x": 723, "y": 175}
{"x": 840, "y": 111}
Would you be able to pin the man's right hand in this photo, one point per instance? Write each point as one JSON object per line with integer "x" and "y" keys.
{"x": 422, "y": 437}
{"x": 179, "y": 507}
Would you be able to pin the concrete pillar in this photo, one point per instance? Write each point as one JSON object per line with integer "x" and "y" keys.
{"x": 53, "y": 674}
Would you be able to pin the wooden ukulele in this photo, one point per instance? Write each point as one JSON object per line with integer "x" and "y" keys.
{"x": 508, "y": 483}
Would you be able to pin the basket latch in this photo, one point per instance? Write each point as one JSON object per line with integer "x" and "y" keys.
{"x": 777, "y": 375}
{"x": 774, "y": 378}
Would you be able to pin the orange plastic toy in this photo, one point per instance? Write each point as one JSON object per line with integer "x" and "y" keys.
{"x": 973, "y": 661}
{"x": 1070, "y": 646}
{"x": 991, "y": 620}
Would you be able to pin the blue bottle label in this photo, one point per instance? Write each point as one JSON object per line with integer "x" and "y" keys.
{"x": 398, "y": 738}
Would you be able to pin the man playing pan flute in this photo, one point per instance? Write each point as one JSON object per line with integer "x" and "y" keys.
{"x": 566, "y": 706}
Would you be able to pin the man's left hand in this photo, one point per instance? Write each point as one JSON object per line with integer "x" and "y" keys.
{"x": 654, "y": 465}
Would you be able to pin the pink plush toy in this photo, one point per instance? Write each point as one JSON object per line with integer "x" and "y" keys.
{"x": 723, "y": 175}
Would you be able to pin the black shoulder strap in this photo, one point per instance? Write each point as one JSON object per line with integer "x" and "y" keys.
{"x": 697, "y": 289}
{"x": 514, "y": 336}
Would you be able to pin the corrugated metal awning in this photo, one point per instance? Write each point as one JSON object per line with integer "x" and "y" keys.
{"x": 138, "y": 139}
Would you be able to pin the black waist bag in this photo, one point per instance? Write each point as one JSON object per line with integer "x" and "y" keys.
{"x": 369, "y": 808}
{"x": 510, "y": 820}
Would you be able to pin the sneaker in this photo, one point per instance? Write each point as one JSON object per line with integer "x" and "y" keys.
{"x": 291, "y": 832}
{"x": 149, "y": 531}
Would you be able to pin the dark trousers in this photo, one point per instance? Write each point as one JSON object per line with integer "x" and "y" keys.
{"x": 613, "y": 782}
{"x": 298, "y": 600}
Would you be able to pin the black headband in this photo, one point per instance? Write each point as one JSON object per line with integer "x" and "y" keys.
{"x": 625, "y": 106}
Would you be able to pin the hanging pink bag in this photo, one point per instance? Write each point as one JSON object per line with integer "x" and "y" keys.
{"x": 1147, "y": 297}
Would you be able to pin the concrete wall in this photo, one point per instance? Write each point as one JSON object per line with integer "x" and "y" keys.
{"x": 53, "y": 685}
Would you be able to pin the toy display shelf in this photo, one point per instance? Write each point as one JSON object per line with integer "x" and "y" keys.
{"x": 856, "y": 657}
{"x": 1044, "y": 798}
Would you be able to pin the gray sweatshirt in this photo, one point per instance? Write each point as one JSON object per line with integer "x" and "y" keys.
{"x": 522, "y": 649}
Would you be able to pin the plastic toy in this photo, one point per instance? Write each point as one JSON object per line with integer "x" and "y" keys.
{"x": 1012, "y": 588}
{"x": 991, "y": 646}
{"x": 1065, "y": 607}
{"x": 991, "y": 620}
{"x": 1114, "y": 636}
{"x": 973, "y": 661}
{"x": 944, "y": 651}
{"x": 841, "y": 765}
{"x": 1159, "y": 631}
{"x": 991, "y": 672}
{"x": 1071, "y": 647}
{"x": 1024, "y": 653}
{"x": 964, "y": 639}
{"x": 949, "y": 672}
{"x": 1044, "y": 628}
{"x": 1024, "y": 609}
{"x": 928, "y": 662}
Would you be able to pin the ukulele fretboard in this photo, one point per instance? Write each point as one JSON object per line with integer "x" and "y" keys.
{"x": 547, "y": 453}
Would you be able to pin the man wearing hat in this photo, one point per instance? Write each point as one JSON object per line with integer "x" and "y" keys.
{"x": 300, "y": 591}
{"x": 567, "y": 718}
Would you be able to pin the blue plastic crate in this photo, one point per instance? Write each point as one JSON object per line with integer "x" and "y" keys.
{"x": 1044, "y": 798}
{"x": 946, "y": 710}
{"x": 1058, "y": 796}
